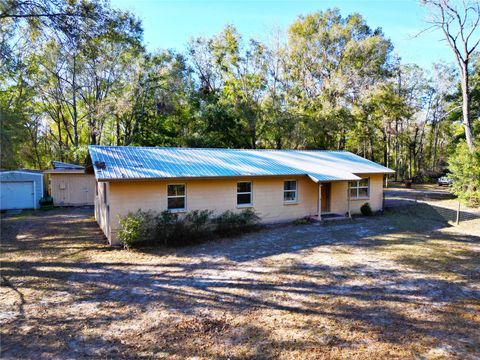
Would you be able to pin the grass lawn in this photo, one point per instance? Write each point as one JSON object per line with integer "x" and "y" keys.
{"x": 391, "y": 286}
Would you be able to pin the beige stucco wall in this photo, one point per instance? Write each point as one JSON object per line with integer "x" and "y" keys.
{"x": 376, "y": 194}
{"x": 102, "y": 213}
{"x": 339, "y": 195}
{"x": 72, "y": 189}
{"x": 220, "y": 195}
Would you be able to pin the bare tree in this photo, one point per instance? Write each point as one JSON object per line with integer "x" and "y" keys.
{"x": 459, "y": 22}
{"x": 24, "y": 9}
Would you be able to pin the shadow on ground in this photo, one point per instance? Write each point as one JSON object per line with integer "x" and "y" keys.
{"x": 391, "y": 279}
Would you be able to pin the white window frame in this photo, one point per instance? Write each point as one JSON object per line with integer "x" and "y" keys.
{"x": 178, "y": 196}
{"x": 245, "y": 192}
{"x": 357, "y": 187}
{"x": 295, "y": 201}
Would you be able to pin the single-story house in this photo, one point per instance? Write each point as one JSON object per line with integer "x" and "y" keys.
{"x": 69, "y": 185}
{"x": 280, "y": 185}
{"x": 21, "y": 189}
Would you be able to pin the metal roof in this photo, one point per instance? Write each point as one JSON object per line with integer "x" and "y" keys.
{"x": 132, "y": 162}
{"x": 65, "y": 166}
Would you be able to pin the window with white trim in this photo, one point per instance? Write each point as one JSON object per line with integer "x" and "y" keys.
{"x": 360, "y": 189}
{"x": 176, "y": 197}
{"x": 244, "y": 193}
{"x": 290, "y": 191}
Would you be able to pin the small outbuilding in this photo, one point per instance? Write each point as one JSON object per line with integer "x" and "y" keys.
{"x": 69, "y": 185}
{"x": 20, "y": 189}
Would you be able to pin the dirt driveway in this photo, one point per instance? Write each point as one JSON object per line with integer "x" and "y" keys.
{"x": 391, "y": 286}
{"x": 398, "y": 195}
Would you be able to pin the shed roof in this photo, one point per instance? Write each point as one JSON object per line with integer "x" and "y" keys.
{"x": 136, "y": 163}
{"x": 64, "y": 165}
{"x": 61, "y": 168}
{"x": 22, "y": 171}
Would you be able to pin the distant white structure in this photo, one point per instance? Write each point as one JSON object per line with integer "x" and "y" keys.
{"x": 20, "y": 189}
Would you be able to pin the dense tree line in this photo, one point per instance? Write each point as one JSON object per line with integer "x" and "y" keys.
{"x": 77, "y": 73}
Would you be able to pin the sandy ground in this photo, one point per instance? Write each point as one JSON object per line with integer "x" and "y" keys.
{"x": 397, "y": 194}
{"x": 389, "y": 286}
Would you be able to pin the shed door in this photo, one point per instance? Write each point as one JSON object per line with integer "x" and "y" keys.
{"x": 16, "y": 195}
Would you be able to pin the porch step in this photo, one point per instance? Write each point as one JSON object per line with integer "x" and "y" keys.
{"x": 331, "y": 217}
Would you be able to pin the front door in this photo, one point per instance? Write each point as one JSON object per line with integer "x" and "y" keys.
{"x": 326, "y": 197}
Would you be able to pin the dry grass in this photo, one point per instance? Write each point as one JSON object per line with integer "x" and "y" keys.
{"x": 393, "y": 286}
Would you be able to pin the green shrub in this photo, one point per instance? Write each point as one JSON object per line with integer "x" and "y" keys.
{"x": 464, "y": 168}
{"x": 166, "y": 225}
{"x": 230, "y": 223}
{"x": 143, "y": 228}
{"x": 46, "y": 201}
{"x": 194, "y": 227}
{"x": 302, "y": 221}
{"x": 138, "y": 228}
{"x": 366, "y": 210}
{"x": 200, "y": 220}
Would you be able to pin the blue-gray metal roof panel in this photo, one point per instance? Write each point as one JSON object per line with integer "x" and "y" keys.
{"x": 63, "y": 165}
{"x": 130, "y": 162}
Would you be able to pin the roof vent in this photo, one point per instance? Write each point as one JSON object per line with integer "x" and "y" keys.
{"x": 100, "y": 164}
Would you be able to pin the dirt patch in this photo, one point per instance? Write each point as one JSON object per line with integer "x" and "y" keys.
{"x": 391, "y": 286}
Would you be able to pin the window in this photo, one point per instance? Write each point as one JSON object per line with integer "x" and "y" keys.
{"x": 290, "y": 191}
{"x": 244, "y": 193}
{"x": 96, "y": 188}
{"x": 359, "y": 189}
{"x": 104, "y": 193}
{"x": 176, "y": 197}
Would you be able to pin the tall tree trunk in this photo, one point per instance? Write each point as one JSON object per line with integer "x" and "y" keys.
{"x": 466, "y": 105}
{"x": 371, "y": 146}
{"x": 74, "y": 104}
{"x": 117, "y": 123}
{"x": 60, "y": 142}
{"x": 93, "y": 133}
{"x": 396, "y": 150}
{"x": 385, "y": 148}
{"x": 435, "y": 144}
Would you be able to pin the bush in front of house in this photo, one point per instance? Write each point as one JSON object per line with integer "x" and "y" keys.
{"x": 143, "y": 228}
{"x": 200, "y": 221}
{"x": 173, "y": 230}
{"x": 230, "y": 223}
{"x": 303, "y": 221}
{"x": 366, "y": 210}
{"x": 138, "y": 228}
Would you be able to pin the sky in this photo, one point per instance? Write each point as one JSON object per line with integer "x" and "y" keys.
{"x": 170, "y": 24}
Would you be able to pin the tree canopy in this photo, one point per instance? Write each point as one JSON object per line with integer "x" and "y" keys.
{"x": 77, "y": 72}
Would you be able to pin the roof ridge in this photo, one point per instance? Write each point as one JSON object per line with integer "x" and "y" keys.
{"x": 217, "y": 149}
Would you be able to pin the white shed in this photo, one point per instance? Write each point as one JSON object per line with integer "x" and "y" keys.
{"x": 69, "y": 185}
{"x": 20, "y": 189}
